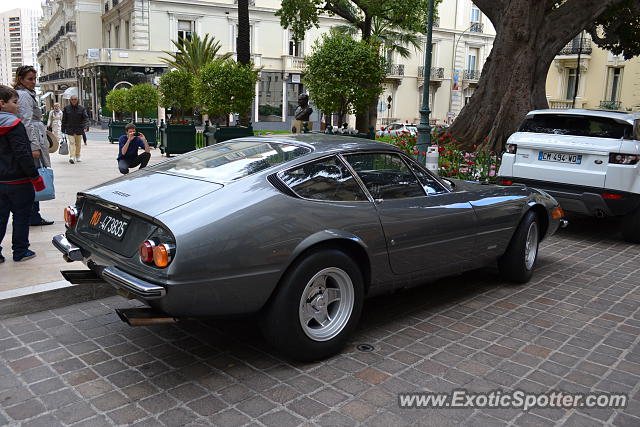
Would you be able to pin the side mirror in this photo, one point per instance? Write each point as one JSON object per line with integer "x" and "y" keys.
{"x": 449, "y": 183}
{"x": 636, "y": 130}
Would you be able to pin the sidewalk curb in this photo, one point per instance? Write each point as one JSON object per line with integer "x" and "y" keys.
{"x": 48, "y": 296}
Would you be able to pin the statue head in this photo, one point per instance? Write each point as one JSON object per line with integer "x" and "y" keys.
{"x": 303, "y": 100}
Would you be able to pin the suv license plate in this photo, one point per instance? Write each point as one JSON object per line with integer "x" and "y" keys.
{"x": 548, "y": 156}
{"x": 112, "y": 226}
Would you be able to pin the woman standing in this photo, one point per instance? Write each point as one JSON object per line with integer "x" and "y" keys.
{"x": 31, "y": 115}
{"x": 55, "y": 121}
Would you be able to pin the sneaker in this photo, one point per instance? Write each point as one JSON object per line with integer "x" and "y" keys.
{"x": 25, "y": 256}
{"x": 72, "y": 160}
{"x": 78, "y": 159}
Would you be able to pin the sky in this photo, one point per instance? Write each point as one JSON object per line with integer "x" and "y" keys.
{"x": 13, "y": 4}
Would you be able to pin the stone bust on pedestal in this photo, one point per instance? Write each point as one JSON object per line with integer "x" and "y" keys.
{"x": 302, "y": 113}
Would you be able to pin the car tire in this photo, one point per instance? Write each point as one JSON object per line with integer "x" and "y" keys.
{"x": 316, "y": 306}
{"x": 518, "y": 261}
{"x": 630, "y": 225}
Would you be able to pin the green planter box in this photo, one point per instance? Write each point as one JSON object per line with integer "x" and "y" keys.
{"x": 149, "y": 129}
{"x": 177, "y": 139}
{"x": 221, "y": 134}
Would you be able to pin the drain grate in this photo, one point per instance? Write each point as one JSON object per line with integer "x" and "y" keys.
{"x": 365, "y": 348}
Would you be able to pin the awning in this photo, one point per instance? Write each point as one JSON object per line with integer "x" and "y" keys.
{"x": 69, "y": 92}
{"x": 46, "y": 94}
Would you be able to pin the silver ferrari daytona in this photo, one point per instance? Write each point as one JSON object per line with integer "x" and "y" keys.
{"x": 297, "y": 229}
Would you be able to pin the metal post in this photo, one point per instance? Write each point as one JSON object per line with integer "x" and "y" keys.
{"x": 424, "y": 129}
{"x": 575, "y": 89}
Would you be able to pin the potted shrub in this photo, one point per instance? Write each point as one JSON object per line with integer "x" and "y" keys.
{"x": 117, "y": 103}
{"x": 177, "y": 136}
{"x": 223, "y": 88}
{"x": 143, "y": 100}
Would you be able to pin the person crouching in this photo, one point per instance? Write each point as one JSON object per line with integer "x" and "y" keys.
{"x": 129, "y": 144}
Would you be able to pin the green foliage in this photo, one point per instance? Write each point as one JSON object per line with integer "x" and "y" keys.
{"x": 225, "y": 87}
{"x": 176, "y": 90}
{"x": 117, "y": 101}
{"x": 343, "y": 75}
{"x": 143, "y": 99}
{"x": 300, "y": 15}
{"x": 194, "y": 54}
{"x": 617, "y": 29}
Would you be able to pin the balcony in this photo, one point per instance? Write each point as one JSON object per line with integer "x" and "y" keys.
{"x": 69, "y": 74}
{"x": 293, "y": 64}
{"x": 395, "y": 71}
{"x": 437, "y": 73}
{"x": 473, "y": 75}
{"x": 610, "y": 105}
{"x": 575, "y": 47}
{"x": 69, "y": 27}
{"x": 565, "y": 104}
{"x": 476, "y": 27}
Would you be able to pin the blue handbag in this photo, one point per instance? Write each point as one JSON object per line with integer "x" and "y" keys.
{"x": 49, "y": 192}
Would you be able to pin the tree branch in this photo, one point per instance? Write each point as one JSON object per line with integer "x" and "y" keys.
{"x": 342, "y": 12}
{"x": 494, "y": 9}
{"x": 574, "y": 16}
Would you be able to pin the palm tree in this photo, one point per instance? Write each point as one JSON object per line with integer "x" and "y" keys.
{"x": 243, "y": 45}
{"x": 194, "y": 53}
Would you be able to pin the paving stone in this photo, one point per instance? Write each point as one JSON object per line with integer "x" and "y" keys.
{"x": 233, "y": 418}
{"x": 24, "y": 410}
{"x": 58, "y": 399}
{"x": 127, "y": 414}
{"x": 74, "y": 412}
{"x": 207, "y": 405}
{"x": 109, "y": 401}
{"x": 280, "y": 419}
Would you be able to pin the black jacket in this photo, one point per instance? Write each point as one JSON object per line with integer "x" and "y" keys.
{"x": 16, "y": 159}
{"x": 74, "y": 119}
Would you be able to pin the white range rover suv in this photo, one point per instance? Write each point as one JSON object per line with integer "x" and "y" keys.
{"x": 587, "y": 159}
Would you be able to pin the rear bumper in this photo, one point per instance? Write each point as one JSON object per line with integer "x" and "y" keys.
{"x": 585, "y": 200}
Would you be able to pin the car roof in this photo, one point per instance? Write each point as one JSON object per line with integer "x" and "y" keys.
{"x": 610, "y": 114}
{"x": 324, "y": 143}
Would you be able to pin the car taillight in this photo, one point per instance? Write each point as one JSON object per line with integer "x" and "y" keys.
{"x": 70, "y": 216}
{"x": 163, "y": 254}
{"x": 502, "y": 181}
{"x": 512, "y": 148}
{"x": 623, "y": 159}
{"x": 612, "y": 196}
{"x": 146, "y": 251}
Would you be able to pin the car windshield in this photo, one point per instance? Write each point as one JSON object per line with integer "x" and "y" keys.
{"x": 565, "y": 124}
{"x": 230, "y": 161}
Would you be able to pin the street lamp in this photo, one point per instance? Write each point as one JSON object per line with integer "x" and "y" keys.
{"x": 58, "y": 62}
{"x": 424, "y": 129}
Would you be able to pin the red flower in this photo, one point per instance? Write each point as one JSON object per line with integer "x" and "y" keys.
{"x": 454, "y": 171}
{"x": 441, "y": 139}
{"x": 441, "y": 149}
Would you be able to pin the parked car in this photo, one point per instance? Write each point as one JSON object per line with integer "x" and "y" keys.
{"x": 299, "y": 229}
{"x": 395, "y": 129}
{"x": 586, "y": 159}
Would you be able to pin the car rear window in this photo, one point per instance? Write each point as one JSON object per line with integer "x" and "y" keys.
{"x": 565, "y": 124}
{"x": 230, "y": 161}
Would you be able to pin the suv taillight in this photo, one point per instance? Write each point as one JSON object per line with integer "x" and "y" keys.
{"x": 503, "y": 181}
{"x": 623, "y": 159}
{"x": 512, "y": 148}
{"x": 70, "y": 216}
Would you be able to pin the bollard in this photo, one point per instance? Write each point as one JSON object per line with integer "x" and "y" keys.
{"x": 432, "y": 159}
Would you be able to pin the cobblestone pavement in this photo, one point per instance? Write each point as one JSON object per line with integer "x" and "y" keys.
{"x": 574, "y": 327}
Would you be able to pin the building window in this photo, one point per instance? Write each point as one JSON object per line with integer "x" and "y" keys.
{"x": 614, "y": 84}
{"x": 472, "y": 59}
{"x": 185, "y": 29}
{"x": 475, "y": 14}
{"x": 117, "y": 35}
{"x": 572, "y": 75}
{"x": 126, "y": 34}
{"x": 295, "y": 48}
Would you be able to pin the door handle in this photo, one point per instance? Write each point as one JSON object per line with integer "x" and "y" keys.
{"x": 598, "y": 162}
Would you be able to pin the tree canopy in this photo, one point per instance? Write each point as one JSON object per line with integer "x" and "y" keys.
{"x": 408, "y": 15}
{"x": 618, "y": 29}
{"x": 117, "y": 101}
{"x": 194, "y": 54}
{"x": 343, "y": 75}
{"x": 176, "y": 91}
{"x": 225, "y": 87}
{"x": 143, "y": 99}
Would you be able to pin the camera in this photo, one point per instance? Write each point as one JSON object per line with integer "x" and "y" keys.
{"x": 137, "y": 134}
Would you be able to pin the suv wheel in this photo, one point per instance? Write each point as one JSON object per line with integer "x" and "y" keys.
{"x": 631, "y": 227}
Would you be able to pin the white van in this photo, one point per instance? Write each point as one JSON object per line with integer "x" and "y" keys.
{"x": 587, "y": 159}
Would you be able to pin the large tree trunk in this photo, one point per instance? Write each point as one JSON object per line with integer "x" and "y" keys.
{"x": 243, "y": 44}
{"x": 529, "y": 35}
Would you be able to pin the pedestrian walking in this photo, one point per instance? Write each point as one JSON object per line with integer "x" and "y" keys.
{"x": 75, "y": 122}
{"x": 54, "y": 123}
{"x": 18, "y": 176}
{"x": 31, "y": 116}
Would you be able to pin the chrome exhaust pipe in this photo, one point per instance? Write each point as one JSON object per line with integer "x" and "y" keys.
{"x": 145, "y": 316}
{"x": 563, "y": 223}
{"x": 600, "y": 213}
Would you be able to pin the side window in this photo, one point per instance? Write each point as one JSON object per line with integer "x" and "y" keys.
{"x": 326, "y": 179}
{"x": 429, "y": 183}
{"x": 386, "y": 176}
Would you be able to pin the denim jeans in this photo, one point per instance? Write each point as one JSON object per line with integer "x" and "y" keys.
{"x": 18, "y": 200}
{"x": 141, "y": 159}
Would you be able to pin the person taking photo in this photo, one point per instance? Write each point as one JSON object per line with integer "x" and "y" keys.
{"x": 129, "y": 144}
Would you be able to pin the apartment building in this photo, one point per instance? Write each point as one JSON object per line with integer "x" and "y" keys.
{"x": 96, "y": 45}
{"x": 18, "y": 41}
{"x": 585, "y": 76}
